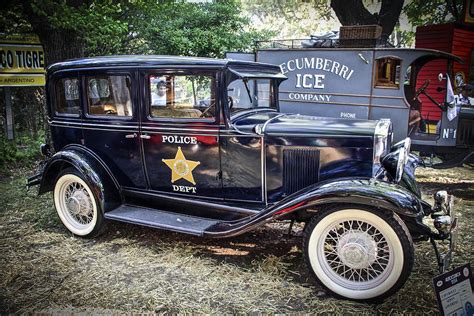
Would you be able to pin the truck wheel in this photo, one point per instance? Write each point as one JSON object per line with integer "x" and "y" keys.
{"x": 76, "y": 204}
{"x": 358, "y": 253}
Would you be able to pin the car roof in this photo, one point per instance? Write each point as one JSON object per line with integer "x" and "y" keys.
{"x": 145, "y": 61}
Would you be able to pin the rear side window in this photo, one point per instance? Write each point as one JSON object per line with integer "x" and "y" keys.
{"x": 67, "y": 96}
{"x": 109, "y": 95}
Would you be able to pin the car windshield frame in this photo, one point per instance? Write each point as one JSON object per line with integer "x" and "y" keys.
{"x": 251, "y": 93}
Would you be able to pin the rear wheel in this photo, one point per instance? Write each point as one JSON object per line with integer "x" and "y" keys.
{"x": 359, "y": 253}
{"x": 76, "y": 204}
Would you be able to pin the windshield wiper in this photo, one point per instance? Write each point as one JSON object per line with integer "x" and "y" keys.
{"x": 248, "y": 90}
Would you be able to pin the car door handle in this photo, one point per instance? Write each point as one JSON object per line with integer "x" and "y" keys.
{"x": 134, "y": 135}
{"x": 145, "y": 136}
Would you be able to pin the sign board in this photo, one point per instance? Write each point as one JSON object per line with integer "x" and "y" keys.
{"x": 454, "y": 291}
{"x": 21, "y": 61}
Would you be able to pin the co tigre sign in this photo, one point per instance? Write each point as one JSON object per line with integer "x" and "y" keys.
{"x": 21, "y": 61}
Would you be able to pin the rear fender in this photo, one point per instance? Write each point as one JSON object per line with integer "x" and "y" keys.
{"x": 105, "y": 187}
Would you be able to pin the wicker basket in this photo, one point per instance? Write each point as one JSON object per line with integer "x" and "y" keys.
{"x": 360, "y": 32}
{"x": 359, "y": 36}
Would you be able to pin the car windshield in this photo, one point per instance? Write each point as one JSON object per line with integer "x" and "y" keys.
{"x": 246, "y": 94}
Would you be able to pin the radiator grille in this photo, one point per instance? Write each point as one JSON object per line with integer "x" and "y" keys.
{"x": 300, "y": 168}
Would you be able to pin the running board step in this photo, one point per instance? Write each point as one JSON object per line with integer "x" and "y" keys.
{"x": 161, "y": 219}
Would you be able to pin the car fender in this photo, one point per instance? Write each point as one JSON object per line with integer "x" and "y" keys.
{"x": 365, "y": 192}
{"x": 104, "y": 185}
{"x": 368, "y": 192}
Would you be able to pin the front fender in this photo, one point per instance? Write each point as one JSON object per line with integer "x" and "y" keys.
{"x": 369, "y": 192}
{"x": 103, "y": 185}
{"x": 366, "y": 192}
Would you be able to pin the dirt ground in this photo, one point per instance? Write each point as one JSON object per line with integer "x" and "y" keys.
{"x": 45, "y": 269}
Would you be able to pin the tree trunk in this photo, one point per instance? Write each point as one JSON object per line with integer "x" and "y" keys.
{"x": 58, "y": 44}
{"x": 353, "y": 12}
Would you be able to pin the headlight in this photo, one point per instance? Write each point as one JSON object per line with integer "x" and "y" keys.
{"x": 382, "y": 141}
{"x": 402, "y": 159}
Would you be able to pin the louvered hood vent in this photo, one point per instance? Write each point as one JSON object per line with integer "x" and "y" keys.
{"x": 300, "y": 168}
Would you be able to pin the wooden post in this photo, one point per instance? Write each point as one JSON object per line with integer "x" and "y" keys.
{"x": 9, "y": 113}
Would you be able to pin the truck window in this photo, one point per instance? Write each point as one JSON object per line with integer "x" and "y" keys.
{"x": 182, "y": 96}
{"x": 109, "y": 95}
{"x": 67, "y": 96}
{"x": 388, "y": 72}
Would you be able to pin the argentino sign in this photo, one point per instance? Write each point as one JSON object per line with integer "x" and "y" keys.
{"x": 21, "y": 61}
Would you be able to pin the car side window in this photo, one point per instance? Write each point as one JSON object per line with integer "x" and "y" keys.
{"x": 67, "y": 96}
{"x": 109, "y": 95}
{"x": 182, "y": 96}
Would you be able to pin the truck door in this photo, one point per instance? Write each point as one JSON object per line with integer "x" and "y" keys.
{"x": 180, "y": 132}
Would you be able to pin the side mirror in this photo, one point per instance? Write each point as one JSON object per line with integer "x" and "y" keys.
{"x": 441, "y": 77}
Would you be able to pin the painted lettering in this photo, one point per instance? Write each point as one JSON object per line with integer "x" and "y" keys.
{"x": 319, "y": 63}
{"x": 335, "y": 67}
{"x": 298, "y": 80}
{"x": 324, "y": 64}
{"x": 291, "y": 68}
{"x": 299, "y": 63}
{"x": 343, "y": 72}
{"x": 175, "y": 139}
{"x": 348, "y": 115}
{"x": 283, "y": 68}
{"x": 307, "y": 80}
{"x": 327, "y": 65}
{"x": 309, "y": 63}
{"x": 310, "y": 97}
{"x": 318, "y": 81}
{"x": 183, "y": 188}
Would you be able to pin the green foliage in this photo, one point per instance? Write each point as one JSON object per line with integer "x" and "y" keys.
{"x": 22, "y": 151}
{"x": 432, "y": 12}
{"x": 193, "y": 29}
{"x": 291, "y": 18}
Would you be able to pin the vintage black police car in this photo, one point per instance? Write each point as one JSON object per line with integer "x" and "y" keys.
{"x": 198, "y": 146}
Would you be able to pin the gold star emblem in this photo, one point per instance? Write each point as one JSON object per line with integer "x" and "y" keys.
{"x": 181, "y": 168}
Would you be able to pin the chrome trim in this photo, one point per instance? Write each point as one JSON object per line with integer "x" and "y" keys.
{"x": 178, "y": 133}
{"x": 271, "y": 119}
{"x": 186, "y": 199}
{"x": 145, "y": 126}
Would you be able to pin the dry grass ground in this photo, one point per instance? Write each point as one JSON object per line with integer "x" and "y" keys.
{"x": 43, "y": 268}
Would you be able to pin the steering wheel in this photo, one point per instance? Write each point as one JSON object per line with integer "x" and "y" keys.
{"x": 203, "y": 114}
{"x": 422, "y": 89}
{"x": 110, "y": 112}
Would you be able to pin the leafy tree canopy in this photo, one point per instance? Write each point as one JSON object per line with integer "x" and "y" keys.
{"x": 433, "y": 11}
{"x": 76, "y": 28}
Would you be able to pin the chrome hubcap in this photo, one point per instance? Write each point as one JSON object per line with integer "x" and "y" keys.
{"x": 356, "y": 251}
{"x": 78, "y": 203}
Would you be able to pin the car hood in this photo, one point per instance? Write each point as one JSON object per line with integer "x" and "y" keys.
{"x": 275, "y": 123}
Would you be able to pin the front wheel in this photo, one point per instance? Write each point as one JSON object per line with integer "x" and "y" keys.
{"x": 359, "y": 253}
{"x": 77, "y": 206}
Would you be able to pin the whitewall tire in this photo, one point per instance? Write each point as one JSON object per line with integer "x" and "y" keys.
{"x": 77, "y": 205}
{"x": 359, "y": 253}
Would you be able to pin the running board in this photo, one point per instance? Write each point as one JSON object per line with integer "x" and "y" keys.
{"x": 161, "y": 219}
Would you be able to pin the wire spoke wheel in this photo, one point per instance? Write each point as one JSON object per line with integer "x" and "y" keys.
{"x": 357, "y": 253}
{"x": 75, "y": 204}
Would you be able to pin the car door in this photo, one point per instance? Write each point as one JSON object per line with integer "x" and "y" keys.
{"x": 111, "y": 125}
{"x": 180, "y": 132}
